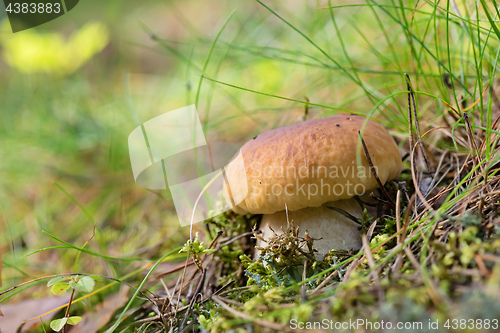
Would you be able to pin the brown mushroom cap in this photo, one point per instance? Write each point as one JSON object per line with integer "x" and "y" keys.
{"x": 313, "y": 162}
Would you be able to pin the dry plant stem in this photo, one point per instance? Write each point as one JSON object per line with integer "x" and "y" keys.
{"x": 193, "y": 299}
{"x": 224, "y": 287}
{"x": 373, "y": 170}
{"x": 325, "y": 282}
{"x": 399, "y": 261}
{"x": 369, "y": 234}
{"x": 407, "y": 221}
{"x": 481, "y": 265}
{"x": 352, "y": 267}
{"x": 303, "y": 287}
{"x": 411, "y": 101}
{"x": 67, "y": 309}
{"x": 235, "y": 238}
{"x": 181, "y": 280}
{"x": 435, "y": 181}
{"x": 398, "y": 215}
{"x": 375, "y": 272}
{"x": 412, "y": 258}
{"x": 173, "y": 270}
{"x": 472, "y": 140}
{"x": 167, "y": 300}
{"x": 415, "y": 183}
{"x": 432, "y": 289}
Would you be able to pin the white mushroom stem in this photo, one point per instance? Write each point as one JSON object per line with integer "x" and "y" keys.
{"x": 330, "y": 228}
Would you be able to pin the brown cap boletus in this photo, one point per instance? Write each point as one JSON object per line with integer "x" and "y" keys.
{"x": 308, "y": 167}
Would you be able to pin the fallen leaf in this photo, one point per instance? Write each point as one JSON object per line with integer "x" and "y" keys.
{"x": 16, "y": 313}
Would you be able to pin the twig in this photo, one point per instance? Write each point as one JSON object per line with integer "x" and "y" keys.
{"x": 303, "y": 287}
{"x": 481, "y": 265}
{"x": 472, "y": 140}
{"x": 193, "y": 299}
{"x": 328, "y": 279}
{"x": 67, "y": 309}
{"x": 173, "y": 270}
{"x": 224, "y": 287}
{"x": 411, "y": 101}
{"x": 373, "y": 170}
{"x": 398, "y": 215}
{"x": 369, "y": 234}
{"x": 354, "y": 264}
{"x": 374, "y": 273}
{"x": 250, "y": 233}
{"x": 399, "y": 259}
{"x": 406, "y": 221}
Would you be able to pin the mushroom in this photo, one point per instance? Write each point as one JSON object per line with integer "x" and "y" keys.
{"x": 297, "y": 172}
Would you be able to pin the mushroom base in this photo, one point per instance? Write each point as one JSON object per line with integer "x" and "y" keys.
{"x": 329, "y": 228}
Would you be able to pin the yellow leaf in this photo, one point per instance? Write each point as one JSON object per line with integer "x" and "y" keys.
{"x": 59, "y": 288}
{"x": 34, "y": 52}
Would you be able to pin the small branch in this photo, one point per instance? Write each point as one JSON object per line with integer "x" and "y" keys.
{"x": 374, "y": 273}
{"x": 411, "y": 101}
{"x": 472, "y": 140}
{"x": 373, "y": 170}
{"x": 325, "y": 282}
{"x": 303, "y": 287}
{"x": 369, "y": 234}
{"x": 250, "y": 233}
{"x": 67, "y": 309}
{"x": 193, "y": 299}
{"x": 173, "y": 270}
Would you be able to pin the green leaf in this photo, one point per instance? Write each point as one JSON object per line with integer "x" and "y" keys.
{"x": 74, "y": 320}
{"x": 195, "y": 247}
{"x": 59, "y": 288}
{"x": 58, "y": 324}
{"x": 85, "y": 284}
{"x": 57, "y": 279}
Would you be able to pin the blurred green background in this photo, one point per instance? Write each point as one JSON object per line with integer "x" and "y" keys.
{"x": 64, "y": 126}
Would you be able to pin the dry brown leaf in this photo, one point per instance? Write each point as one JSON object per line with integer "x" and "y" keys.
{"x": 15, "y": 314}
